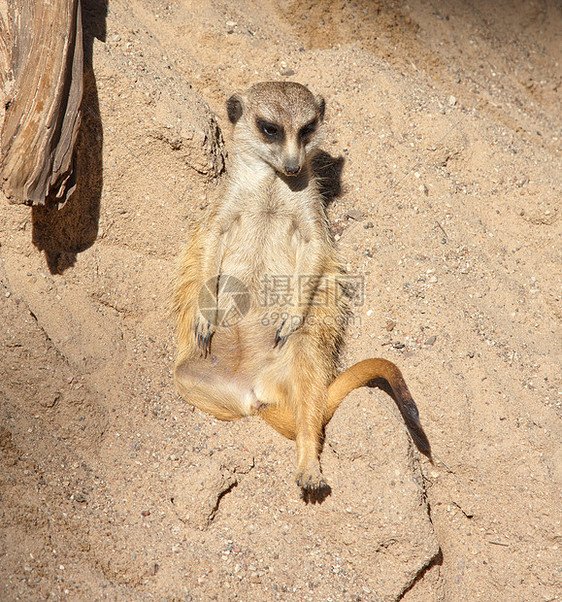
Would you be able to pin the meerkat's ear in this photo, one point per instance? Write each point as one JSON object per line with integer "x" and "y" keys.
{"x": 321, "y": 105}
{"x": 235, "y": 107}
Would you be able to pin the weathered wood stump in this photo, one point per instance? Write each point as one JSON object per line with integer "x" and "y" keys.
{"x": 41, "y": 73}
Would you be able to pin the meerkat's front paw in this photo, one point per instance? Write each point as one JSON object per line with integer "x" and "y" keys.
{"x": 288, "y": 326}
{"x": 203, "y": 334}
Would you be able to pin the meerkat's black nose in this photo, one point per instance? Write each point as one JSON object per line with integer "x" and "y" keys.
{"x": 292, "y": 168}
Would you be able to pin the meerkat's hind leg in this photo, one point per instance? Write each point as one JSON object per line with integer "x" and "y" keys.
{"x": 308, "y": 403}
{"x": 292, "y": 396}
{"x": 215, "y": 390}
{"x": 309, "y": 441}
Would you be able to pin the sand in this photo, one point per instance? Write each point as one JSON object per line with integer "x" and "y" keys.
{"x": 444, "y": 125}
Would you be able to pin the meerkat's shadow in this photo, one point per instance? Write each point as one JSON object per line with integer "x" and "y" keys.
{"x": 316, "y": 496}
{"x": 328, "y": 172}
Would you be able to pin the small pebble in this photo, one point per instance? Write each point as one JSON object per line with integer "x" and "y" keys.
{"x": 356, "y": 215}
{"x": 390, "y": 324}
{"x": 431, "y": 340}
{"x": 154, "y": 569}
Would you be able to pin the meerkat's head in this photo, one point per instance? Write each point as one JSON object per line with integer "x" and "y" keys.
{"x": 277, "y": 122}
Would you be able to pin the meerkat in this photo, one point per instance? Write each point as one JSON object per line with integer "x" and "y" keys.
{"x": 278, "y": 358}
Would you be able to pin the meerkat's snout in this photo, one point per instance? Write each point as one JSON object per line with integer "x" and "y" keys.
{"x": 292, "y": 167}
{"x": 293, "y": 155}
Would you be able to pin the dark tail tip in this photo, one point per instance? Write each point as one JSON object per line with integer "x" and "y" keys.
{"x": 409, "y": 411}
{"x": 420, "y": 439}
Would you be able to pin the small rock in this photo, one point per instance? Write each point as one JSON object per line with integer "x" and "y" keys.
{"x": 337, "y": 229}
{"x": 49, "y": 402}
{"x": 145, "y": 513}
{"x": 452, "y": 101}
{"x": 431, "y": 340}
{"x": 356, "y": 215}
{"x": 369, "y": 225}
{"x": 390, "y": 324}
{"x": 153, "y": 569}
{"x": 398, "y": 345}
{"x": 288, "y": 73}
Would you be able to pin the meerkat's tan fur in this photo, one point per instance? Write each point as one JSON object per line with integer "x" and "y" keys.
{"x": 269, "y": 222}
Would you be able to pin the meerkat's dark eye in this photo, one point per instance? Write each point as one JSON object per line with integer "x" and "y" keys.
{"x": 271, "y": 131}
{"x": 307, "y": 130}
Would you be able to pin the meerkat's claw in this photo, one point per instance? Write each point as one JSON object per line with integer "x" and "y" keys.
{"x": 280, "y": 340}
{"x": 203, "y": 336}
{"x": 284, "y": 332}
{"x": 311, "y": 482}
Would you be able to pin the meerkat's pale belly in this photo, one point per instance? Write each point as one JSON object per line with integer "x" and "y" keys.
{"x": 262, "y": 246}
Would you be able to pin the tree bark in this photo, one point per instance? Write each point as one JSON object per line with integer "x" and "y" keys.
{"x": 44, "y": 94}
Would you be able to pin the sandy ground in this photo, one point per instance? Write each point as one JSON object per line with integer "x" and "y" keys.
{"x": 444, "y": 124}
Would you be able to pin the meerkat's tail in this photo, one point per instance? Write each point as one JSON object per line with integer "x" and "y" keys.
{"x": 365, "y": 371}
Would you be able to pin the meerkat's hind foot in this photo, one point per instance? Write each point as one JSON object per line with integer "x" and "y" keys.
{"x": 311, "y": 478}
